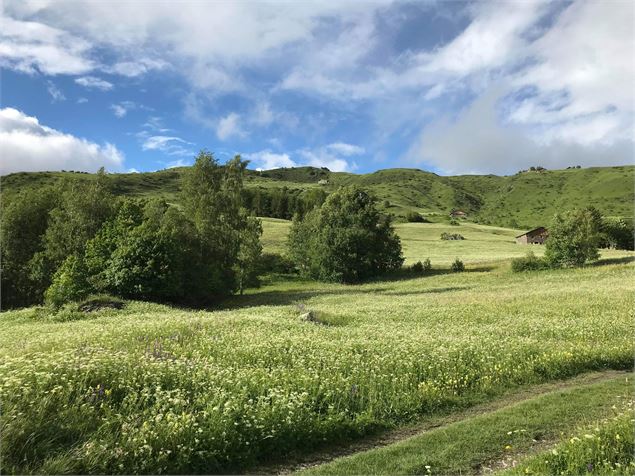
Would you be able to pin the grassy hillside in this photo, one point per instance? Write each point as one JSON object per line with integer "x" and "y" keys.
{"x": 523, "y": 200}
{"x": 154, "y": 389}
{"x": 482, "y": 244}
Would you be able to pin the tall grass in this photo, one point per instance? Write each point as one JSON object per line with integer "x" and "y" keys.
{"x": 152, "y": 389}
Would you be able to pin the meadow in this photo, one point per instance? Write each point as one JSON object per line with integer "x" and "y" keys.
{"x": 157, "y": 389}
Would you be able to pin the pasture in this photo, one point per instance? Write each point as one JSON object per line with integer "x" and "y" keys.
{"x": 155, "y": 389}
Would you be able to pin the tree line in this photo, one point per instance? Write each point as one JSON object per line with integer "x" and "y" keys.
{"x": 282, "y": 202}
{"x": 65, "y": 242}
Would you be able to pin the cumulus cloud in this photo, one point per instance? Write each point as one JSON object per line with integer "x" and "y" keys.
{"x": 31, "y": 47}
{"x": 28, "y": 145}
{"x": 92, "y": 82}
{"x": 329, "y": 156}
{"x": 478, "y": 142}
{"x": 265, "y": 160}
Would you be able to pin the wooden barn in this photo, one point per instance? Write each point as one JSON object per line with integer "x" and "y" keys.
{"x": 537, "y": 236}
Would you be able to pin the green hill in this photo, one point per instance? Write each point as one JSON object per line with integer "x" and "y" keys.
{"x": 523, "y": 200}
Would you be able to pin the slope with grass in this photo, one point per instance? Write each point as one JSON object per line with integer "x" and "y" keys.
{"x": 493, "y": 440}
{"x": 482, "y": 245}
{"x": 151, "y": 389}
{"x": 523, "y": 200}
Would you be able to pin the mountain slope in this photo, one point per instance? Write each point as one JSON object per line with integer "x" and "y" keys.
{"x": 523, "y": 200}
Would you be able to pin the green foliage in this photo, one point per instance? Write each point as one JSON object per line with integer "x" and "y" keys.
{"x": 346, "y": 240}
{"x": 457, "y": 266}
{"x": 23, "y": 224}
{"x": 414, "y": 217}
{"x": 211, "y": 197}
{"x": 454, "y": 222}
{"x": 574, "y": 237}
{"x": 421, "y": 267}
{"x": 248, "y": 259}
{"x": 275, "y": 263}
{"x": 70, "y": 282}
{"x": 606, "y": 448}
{"x": 451, "y": 236}
{"x": 617, "y": 234}
{"x": 530, "y": 262}
{"x": 83, "y": 207}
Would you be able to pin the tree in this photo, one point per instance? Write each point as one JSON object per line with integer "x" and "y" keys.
{"x": 23, "y": 224}
{"x": 574, "y": 237}
{"x": 212, "y": 199}
{"x": 249, "y": 253}
{"x": 616, "y": 233}
{"x": 70, "y": 282}
{"x": 345, "y": 240}
{"x": 83, "y": 206}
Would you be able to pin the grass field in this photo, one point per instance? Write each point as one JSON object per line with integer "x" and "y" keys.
{"x": 155, "y": 389}
{"x": 482, "y": 244}
{"x": 495, "y": 440}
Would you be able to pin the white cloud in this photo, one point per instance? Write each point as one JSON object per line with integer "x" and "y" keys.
{"x": 121, "y": 109}
{"x": 133, "y": 69}
{"x": 55, "y": 92}
{"x": 345, "y": 149}
{"x": 265, "y": 160}
{"x": 167, "y": 144}
{"x": 479, "y": 143}
{"x": 32, "y": 47}
{"x": 28, "y": 145}
{"x": 229, "y": 126}
{"x": 329, "y": 156}
{"x": 92, "y": 82}
{"x": 82, "y": 100}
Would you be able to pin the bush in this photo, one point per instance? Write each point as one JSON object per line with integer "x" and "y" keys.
{"x": 451, "y": 236}
{"x": 457, "y": 266}
{"x": 414, "y": 217}
{"x": 530, "y": 262}
{"x": 417, "y": 268}
{"x": 420, "y": 268}
{"x": 454, "y": 222}
{"x": 70, "y": 283}
{"x": 275, "y": 263}
{"x": 346, "y": 240}
{"x": 574, "y": 237}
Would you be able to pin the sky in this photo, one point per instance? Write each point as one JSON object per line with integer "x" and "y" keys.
{"x": 445, "y": 86}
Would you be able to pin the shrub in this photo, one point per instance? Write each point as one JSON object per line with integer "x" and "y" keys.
{"x": 346, "y": 239}
{"x": 414, "y": 217}
{"x": 454, "y": 222}
{"x": 417, "y": 268}
{"x": 275, "y": 263}
{"x": 451, "y": 236}
{"x": 421, "y": 267}
{"x": 70, "y": 283}
{"x": 457, "y": 266}
{"x": 427, "y": 265}
{"x": 530, "y": 262}
{"x": 574, "y": 237}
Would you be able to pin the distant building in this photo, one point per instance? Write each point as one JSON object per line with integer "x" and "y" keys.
{"x": 537, "y": 236}
{"x": 458, "y": 214}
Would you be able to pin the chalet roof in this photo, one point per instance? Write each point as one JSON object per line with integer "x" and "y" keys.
{"x": 540, "y": 229}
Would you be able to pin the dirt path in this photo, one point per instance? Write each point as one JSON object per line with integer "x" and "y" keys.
{"x": 325, "y": 455}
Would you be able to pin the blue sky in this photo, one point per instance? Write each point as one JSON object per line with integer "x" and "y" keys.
{"x": 450, "y": 87}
